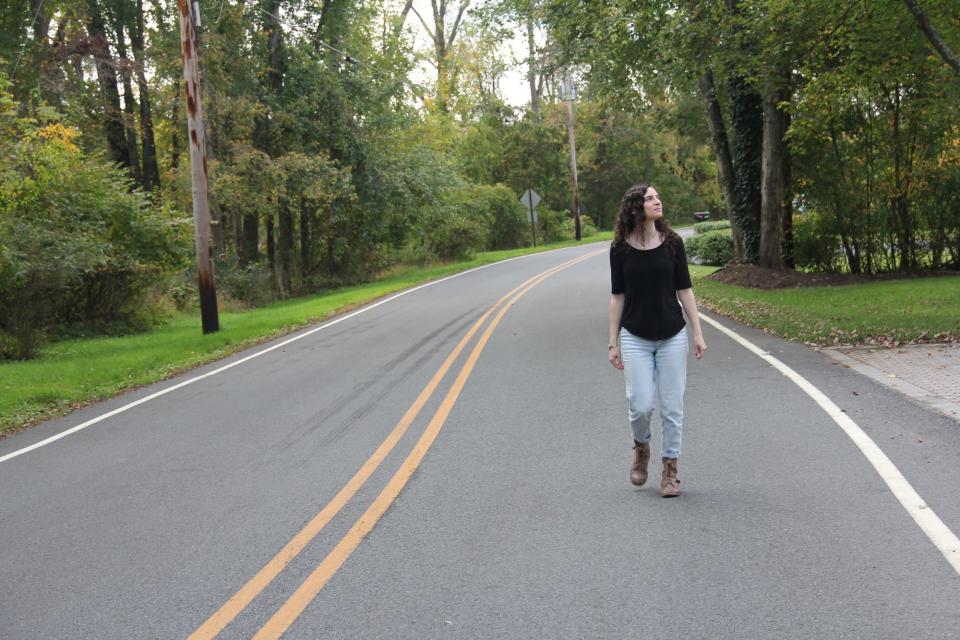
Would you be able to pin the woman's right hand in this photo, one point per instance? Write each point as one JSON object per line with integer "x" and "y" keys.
{"x": 613, "y": 355}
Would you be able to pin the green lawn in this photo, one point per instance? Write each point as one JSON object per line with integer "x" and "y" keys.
{"x": 879, "y": 312}
{"x": 73, "y": 372}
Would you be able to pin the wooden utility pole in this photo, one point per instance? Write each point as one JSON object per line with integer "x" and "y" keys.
{"x": 568, "y": 93}
{"x": 198, "y": 167}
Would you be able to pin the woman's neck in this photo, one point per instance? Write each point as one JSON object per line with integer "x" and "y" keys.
{"x": 647, "y": 233}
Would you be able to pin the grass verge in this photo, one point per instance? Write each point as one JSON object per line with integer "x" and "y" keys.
{"x": 879, "y": 313}
{"x": 72, "y": 373}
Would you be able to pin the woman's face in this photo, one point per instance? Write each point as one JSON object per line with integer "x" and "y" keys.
{"x": 652, "y": 207}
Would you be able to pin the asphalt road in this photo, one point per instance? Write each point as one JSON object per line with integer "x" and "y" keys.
{"x": 519, "y": 522}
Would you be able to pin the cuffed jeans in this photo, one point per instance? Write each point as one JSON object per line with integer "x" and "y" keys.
{"x": 656, "y": 366}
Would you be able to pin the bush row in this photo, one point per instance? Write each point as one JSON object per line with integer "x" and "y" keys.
{"x": 77, "y": 245}
{"x": 817, "y": 246}
{"x": 711, "y": 247}
{"x": 711, "y": 225}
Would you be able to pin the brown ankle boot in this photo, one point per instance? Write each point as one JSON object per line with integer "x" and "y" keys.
{"x": 641, "y": 456}
{"x": 669, "y": 484}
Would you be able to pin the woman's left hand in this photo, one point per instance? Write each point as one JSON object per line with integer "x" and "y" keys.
{"x": 613, "y": 355}
{"x": 699, "y": 347}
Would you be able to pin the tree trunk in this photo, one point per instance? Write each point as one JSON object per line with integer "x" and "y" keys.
{"x": 271, "y": 248}
{"x": 786, "y": 221}
{"x": 250, "y": 249}
{"x": 443, "y": 43}
{"x": 304, "y": 242}
{"x": 276, "y": 48}
{"x": 531, "y": 68}
{"x": 443, "y": 80}
{"x": 41, "y": 24}
{"x": 647, "y": 162}
{"x": 899, "y": 202}
{"x": 721, "y": 150}
{"x": 151, "y": 171}
{"x": 775, "y": 192}
{"x": 321, "y": 22}
{"x": 840, "y": 205}
{"x": 51, "y": 74}
{"x": 747, "y": 119}
{"x": 934, "y": 37}
{"x": 237, "y": 223}
{"x": 129, "y": 109}
{"x": 285, "y": 249}
{"x": 107, "y": 78}
{"x": 283, "y": 242}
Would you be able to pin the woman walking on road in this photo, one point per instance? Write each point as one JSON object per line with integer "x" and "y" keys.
{"x": 648, "y": 336}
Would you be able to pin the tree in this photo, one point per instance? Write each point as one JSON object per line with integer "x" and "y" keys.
{"x": 151, "y": 170}
{"x": 443, "y": 34}
{"x": 933, "y": 36}
{"x": 106, "y": 74}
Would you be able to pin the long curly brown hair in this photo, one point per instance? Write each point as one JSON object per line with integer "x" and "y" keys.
{"x": 631, "y": 216}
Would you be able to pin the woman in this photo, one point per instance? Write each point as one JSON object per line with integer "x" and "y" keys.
{"x": 648, "y": 336}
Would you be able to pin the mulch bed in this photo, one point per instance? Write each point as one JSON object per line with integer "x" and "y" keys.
{"x": 754, "y": 277}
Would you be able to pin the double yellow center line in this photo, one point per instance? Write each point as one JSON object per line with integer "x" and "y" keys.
{"x": 294, "y": 606}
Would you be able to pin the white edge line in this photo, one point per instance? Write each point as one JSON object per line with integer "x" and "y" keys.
{"x": 931, "y": 524}
{"x": 109, "y": 414}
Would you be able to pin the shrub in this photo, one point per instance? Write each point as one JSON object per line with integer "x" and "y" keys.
{"x": 77, "y": 245}
{"x": 503, "y": 212}
{"x": 550, "y": 225}
{"x": 556, "y": 226}
{"x": 568, "y": 228}
{"x": 816, "y": 244}
{"x": 711, "y": 225}
{"x": 252, "y": 284}
{"x": 711, "y": 247}
{"x": 458, "y": 236}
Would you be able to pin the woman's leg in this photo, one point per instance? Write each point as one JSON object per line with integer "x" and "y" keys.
{"x": 671, "y": 365}
{"x": 640, "y": 376}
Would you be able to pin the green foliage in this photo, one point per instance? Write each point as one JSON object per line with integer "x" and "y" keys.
{"x": 711, "y": 247}
{"x": 529, "y": 153}
{"x": 568, "y": 227}
{"x": 251, "y": 285}
{"x": 456, "y": 234}
{"x": 551, "y": 224}
{"x": 816, "y": 243}
{"x": 505, "y": 216}
{"x": 557, "y": 226}
{"x": 711, "y": 225}
{"x": 876, "y": 148}
{"x": 873, "y": 134}
{"x": 421, "y": 200}
{"x": 76, "y": 244}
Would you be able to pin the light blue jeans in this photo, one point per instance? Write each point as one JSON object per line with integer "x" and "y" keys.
{"x": 656, "y": 366}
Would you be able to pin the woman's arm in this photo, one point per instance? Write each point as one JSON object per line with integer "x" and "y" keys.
{"x": 689, "y": 304}
{"x": 616, "y": 315}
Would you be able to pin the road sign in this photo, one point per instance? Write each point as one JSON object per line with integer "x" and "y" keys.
{"x": 530, "y": 199}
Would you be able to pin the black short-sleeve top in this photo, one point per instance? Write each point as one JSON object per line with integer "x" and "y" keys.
{"x": 649, "y": 280}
